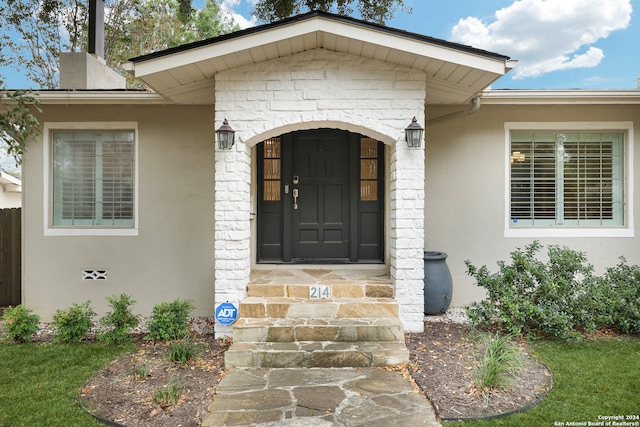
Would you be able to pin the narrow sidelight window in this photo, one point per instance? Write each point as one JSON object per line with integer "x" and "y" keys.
{"x": 368, "y": 169}
{"x": 272, "y": 169}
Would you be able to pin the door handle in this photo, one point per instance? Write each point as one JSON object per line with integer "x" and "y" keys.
{"x": 295, "y": 198}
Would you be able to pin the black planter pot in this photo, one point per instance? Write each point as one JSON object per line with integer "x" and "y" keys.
{"x": 438, "y": 286}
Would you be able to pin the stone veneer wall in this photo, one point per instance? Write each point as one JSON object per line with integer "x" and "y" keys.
{"x": 407, "y": 234}
{"x": 232, "y": 227}
{"x": 321, "y": 89}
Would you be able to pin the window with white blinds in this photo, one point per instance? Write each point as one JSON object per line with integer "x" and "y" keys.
{"x": 93, "y": 178}
{"x": 567, "y": 179}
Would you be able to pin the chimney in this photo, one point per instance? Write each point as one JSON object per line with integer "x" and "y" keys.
{"x": 96, "y": 27}
{"x": 89, "y": 70}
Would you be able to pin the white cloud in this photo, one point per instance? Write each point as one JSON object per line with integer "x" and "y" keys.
{"x": 547, "y": 35}
{"x": 227, "y": 7}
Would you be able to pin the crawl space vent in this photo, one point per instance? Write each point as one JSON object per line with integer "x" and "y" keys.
{"x": 94, "y": 274}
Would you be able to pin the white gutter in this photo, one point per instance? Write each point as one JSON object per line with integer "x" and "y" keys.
{"x": 99, "y": 97}
{"x": 477, "y": 103}
{"x": 548, "y": 97}
{"x": 576, "y": 96}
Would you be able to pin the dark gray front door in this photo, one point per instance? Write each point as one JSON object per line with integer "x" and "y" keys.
{"x": 320, "y": 192}
{"x": 320, "y": 198}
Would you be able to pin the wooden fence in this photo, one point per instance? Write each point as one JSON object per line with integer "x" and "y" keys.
{"x": 10, "y": 257}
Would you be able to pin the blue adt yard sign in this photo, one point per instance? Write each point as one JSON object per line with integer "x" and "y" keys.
{"x": 226, "y": 313}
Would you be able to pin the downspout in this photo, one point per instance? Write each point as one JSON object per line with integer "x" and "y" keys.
{"x": 476, "y": 104}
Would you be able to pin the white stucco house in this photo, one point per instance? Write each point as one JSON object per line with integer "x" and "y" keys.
{"x": 129, "y": 191}
{"x": 11, "y": 194}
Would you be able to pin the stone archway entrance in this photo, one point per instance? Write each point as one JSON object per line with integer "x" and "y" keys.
{"x": 402, "y": 204}
{"x": 321, "y": 198}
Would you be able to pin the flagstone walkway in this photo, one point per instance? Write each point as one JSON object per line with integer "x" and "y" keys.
{"x": 372, "y": 397}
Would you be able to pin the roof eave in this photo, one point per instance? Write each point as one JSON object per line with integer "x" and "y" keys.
{"x": 325, "y": 16}
{"x": 100, "y": 97}
{"x": 318, "y": 23}
{"x": 560, "y": 96}
{"x": 10, "y": 182}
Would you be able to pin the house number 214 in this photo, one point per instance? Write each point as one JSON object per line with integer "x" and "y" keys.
{"x": 319, "y": 292}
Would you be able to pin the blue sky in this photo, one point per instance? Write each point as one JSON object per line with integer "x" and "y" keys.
{"x": 560, "y": 44}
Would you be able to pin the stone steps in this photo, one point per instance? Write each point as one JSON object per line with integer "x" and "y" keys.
{"x": 315, "y": 354}
{"x": 376, "y": 289}
{"x": 294, "y": 308}
{"x": 279, "y": 326}
{"x": 306, "y": 329}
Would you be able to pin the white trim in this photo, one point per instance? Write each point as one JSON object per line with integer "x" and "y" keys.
{"x": 49, "y": 230}
{"x": 560, "y": 97}
{"x": 568, "y": 232}
{"x": 627, "y": 231}
{"x": 91, "y": 232}
{"x": 568, "y": 126}
{"x": 100, "y": 97}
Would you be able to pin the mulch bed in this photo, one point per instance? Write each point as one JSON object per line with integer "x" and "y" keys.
{"x": 119, "y": 394}
{"x": 441, "y": 364}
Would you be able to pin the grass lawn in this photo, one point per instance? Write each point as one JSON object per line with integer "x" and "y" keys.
{"x": 590, "y": 379}
{"x": 39, "y": 383}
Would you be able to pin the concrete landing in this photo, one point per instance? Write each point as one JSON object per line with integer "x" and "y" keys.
{"x": 347, "y": 397}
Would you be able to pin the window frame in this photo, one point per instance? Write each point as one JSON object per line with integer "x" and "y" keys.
{"x": 48, "y": 169}
{"x": 625, "y": 230}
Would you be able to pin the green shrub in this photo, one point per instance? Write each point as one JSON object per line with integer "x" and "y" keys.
{"x": 74, "y": 323}
{"x": 117, "y": 324}
{"x": 500, "y": 361}
{"x": 184, "y": 350}
{"x": 623, "y": 297}
{"x": 529, "y": 296}
{"x": 21, "y": 324}
{"x": 169, "y": 320}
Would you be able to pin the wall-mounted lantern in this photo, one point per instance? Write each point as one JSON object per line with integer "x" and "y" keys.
{"x": 225, "y": 136}
{"x": 413, "y": 134}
